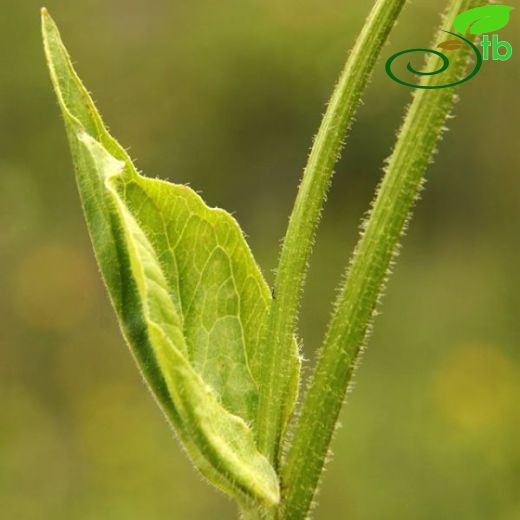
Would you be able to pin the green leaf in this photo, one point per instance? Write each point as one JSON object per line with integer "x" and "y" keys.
{"x": 190, "y": 299}
{"x": 484, "y": 19}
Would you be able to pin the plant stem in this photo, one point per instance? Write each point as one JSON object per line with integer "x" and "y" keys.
{"x": 304, "y": 219}
{"x": 366, "y": 276}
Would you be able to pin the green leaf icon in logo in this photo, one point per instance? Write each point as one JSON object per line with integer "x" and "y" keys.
{"x": 484, "y": 19}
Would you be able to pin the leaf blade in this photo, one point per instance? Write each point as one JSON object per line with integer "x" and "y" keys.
{"x": 132, "y": 222}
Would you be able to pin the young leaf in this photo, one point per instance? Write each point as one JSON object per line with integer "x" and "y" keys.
{"x": 484, "y": 19}
{"x": 188, "y": 294}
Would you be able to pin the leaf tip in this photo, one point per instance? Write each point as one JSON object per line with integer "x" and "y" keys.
{"x": 48, "y": 24}
{"x": 45, "y": 17}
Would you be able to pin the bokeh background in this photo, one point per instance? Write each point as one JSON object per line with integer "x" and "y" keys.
{"x": 226, "y": 95}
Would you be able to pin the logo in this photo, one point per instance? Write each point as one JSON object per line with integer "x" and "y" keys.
{"x": 477, "y": 21}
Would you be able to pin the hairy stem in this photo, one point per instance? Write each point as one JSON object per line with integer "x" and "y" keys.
{"x": 304, "y": 219}
{"x": 366, "y": 276}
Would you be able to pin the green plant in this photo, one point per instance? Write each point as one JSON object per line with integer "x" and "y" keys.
{"x": 218, "y": 352}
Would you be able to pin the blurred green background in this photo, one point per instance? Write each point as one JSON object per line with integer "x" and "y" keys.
{"x": 226, "y": 95}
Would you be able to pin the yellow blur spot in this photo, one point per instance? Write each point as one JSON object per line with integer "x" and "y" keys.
{"x": 475, "y": 386}
{"x": 53, "y": 288}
